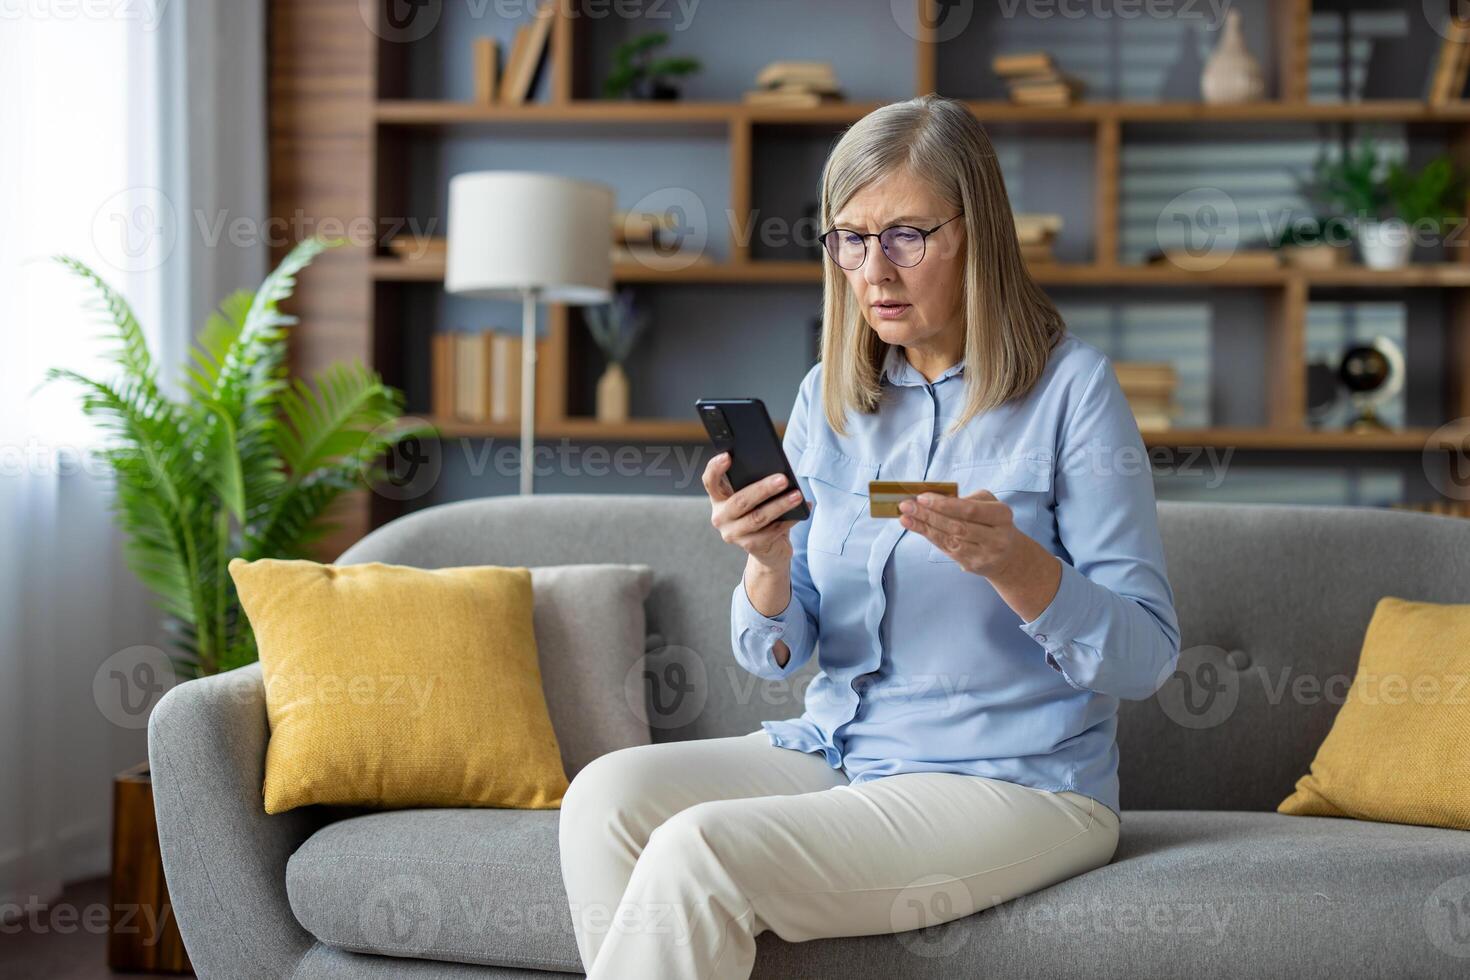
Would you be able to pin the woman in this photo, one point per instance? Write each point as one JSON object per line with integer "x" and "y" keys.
{"x": 973, "y": 651}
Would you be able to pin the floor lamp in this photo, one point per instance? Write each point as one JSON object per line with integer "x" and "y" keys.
{"x": 533, "y": 237}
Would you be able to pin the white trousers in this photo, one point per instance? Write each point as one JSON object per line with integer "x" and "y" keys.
{"x": 676, "y": 856}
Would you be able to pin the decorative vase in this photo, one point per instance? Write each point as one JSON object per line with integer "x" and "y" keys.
{"x": 1232, "y": 74}
{"x": 612, "y": 394}
{"x": 1385, "y": 244}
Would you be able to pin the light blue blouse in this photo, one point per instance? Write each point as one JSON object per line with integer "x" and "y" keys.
{"x": 923, "y": 667}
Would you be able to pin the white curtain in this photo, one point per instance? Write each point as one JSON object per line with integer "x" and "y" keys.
{"x": 121, "y": 136}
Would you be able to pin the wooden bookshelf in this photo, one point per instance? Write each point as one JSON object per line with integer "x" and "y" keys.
{"x": 338, "y": 148}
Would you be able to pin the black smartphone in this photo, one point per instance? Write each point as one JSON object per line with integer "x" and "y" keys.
{"x": 743, "y": 428}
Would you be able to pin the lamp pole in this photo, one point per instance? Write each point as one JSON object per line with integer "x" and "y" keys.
{"x": 530, "y": 296}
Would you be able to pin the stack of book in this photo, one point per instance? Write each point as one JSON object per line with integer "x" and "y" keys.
{"x": 649, "y": 239}
{"x": 1037, "y": 233}
{"x": 419, "y": 248}
{"x": 1033, "y": 79}
{"x": 1447, "y": 84}
{"x": 1149, "y": 387}
{"x": 476, "y": 377}
{"x": 794, "y": 85}
{"x": 1236, "y": 260}
{"x": 526, "y": 54}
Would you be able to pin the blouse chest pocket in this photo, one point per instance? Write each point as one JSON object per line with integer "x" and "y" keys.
{"x": 1022, "y": 483}
{"x": 839, "y": 486}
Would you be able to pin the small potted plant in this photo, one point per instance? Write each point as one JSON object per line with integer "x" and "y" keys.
{"x": 637, "y": 74}
{"x": 615, "y": 327}
{"x": 1387, "y": 212}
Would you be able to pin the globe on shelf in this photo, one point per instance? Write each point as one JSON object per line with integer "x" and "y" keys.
{"x": 1372, "y": 373}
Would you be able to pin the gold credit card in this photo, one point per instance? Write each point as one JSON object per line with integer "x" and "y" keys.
{"x": 884, "y": 496}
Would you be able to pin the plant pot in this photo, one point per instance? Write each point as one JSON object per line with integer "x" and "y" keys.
{"x": 142, "y": 934}
{"x": 1318, "y": 255}
{"x": 612, "y": 394}
{"x": 1385, "y": 244}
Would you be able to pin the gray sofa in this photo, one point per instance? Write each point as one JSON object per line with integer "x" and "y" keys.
{"x": 1208, "y": 881}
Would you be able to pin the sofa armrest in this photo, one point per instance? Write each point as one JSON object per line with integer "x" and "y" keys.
{"x": 224, "y": 857}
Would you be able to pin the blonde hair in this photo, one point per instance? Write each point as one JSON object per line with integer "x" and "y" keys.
{"x": 1010, "y": 324}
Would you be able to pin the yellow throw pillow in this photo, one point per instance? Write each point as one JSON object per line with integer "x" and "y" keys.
{"x": 390, "y": 686}
{"x": 1396, "y": 750}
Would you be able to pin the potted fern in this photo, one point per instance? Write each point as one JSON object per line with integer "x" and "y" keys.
{"x": 246, "y": 462}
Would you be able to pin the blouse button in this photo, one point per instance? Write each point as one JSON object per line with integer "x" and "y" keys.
{"x": 1041, "y": 637}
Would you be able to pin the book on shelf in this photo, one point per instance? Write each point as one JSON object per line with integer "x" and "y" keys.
{"x": 1037, "y": 229}
{"x": 652, "y": 257}
{"x": 1241, "y": 260}
{"x": 1037, "y": 252}
{"x": 471, "y": 377}
{"x": 505, "y": 378}
{"x": 526, "y": 52}
{"x": 1022, "y": 63}
{"x": 1149, "y": 388}
{"x": 487, "y": 57}
{"x": 641, "y": 227}
{"x": 781, "y": 98}
{"x": 815, "y": 74}
{"x": 442, "y": 377}
{"x": 794, "y": 85}
{"x": 1447, "y": 82}
{"x": 418, "y": 248}
{"x": 1062, "y": 90}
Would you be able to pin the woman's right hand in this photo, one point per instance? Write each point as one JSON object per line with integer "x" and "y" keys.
{"x": 744, "y": 521}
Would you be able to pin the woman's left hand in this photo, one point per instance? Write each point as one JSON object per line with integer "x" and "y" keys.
{"x": 976, "y": 531}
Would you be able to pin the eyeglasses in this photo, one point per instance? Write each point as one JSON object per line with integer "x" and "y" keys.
{"x": 903, "y": 245}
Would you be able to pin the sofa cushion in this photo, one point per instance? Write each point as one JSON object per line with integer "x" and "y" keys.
{"x": 1188, "y": 893}
{"x": 468, "y": 885}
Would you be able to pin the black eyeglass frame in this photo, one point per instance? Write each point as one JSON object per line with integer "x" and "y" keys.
{"x": 923, "y": 238}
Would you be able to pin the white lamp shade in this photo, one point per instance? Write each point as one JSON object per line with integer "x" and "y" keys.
{"x": 512, "y": 230}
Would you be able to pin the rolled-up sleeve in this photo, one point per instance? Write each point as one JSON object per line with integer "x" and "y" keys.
{"x": 753, "y": 636}
{"x": 1111, "y": 627}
